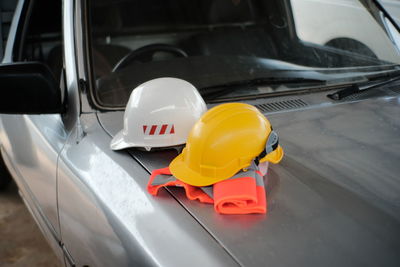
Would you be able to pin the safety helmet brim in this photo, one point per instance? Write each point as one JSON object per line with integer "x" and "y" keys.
{"x": 179, "y": 169}
{"x": 118, "y": 142}
{"x": 275, "y": 156}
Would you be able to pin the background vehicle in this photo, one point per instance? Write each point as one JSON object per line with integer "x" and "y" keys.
{"x": 332, "y": 201}
{"x": 393, "y": 7}
{"x": 340, "y": 24}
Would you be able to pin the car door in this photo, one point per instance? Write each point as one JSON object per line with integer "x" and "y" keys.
{"x": 30, "y": 144}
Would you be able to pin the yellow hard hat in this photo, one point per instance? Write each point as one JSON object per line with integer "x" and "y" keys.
{"x": 226, "y": 139}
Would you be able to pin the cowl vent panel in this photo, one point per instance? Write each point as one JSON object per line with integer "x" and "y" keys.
{"x": 282, "y": 105}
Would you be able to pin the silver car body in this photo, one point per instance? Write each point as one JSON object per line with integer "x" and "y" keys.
{"x": 333, "y": 200}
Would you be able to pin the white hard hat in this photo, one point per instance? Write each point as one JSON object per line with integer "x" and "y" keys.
{"x": 159, "y": 113}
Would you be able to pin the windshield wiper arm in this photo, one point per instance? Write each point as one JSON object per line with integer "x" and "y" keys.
{"x": 357, "y": 88}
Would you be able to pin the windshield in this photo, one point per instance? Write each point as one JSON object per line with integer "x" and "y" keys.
{"x": 284, "y": 44}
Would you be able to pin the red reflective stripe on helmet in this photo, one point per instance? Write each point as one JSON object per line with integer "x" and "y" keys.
{"x": 172, "y": 130}
{"x": 153, "y": 129}
{"x": 163, "y": 129}
{"x": 144, "y": 129}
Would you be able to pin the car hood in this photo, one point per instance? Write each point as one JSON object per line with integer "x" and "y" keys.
{"x": 334, "y": 200}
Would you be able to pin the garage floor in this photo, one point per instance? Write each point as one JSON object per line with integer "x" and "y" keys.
{"x": 21, "y": 242}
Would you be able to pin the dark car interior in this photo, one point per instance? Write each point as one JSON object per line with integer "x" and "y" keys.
{"x": 181, "y": 38}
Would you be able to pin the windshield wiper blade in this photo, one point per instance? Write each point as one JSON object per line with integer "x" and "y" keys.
{"x": 214, "y": 91}
{"x": 357, "y": 88}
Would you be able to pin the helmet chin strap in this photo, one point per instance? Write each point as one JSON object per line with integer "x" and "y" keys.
{"x": 270, "y": 146}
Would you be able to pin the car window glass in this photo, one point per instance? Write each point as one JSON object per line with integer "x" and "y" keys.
{"x": 7, "y": 8}
{"x": 43, "y": 39}
{"x": 217, "y": 42}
